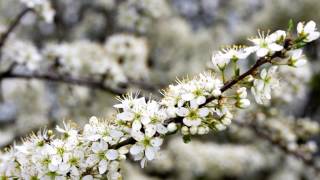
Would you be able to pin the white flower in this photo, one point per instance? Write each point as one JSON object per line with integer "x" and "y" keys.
{"x": 69, "y": 134}
{"x": 296, "y": 58}
{"x": 220, "y": 60}
{"x": 193, "y": 116}
{"x": 262, "y": 87}
{"x": 132, "y": 109}
{"x": 308, "y": 32}
{"x": 194, "y": 93}
{"x": 73, "y": 160}
{"x": 153, "y": 119}
{"x": 210, "y": 84}
{"x": 267, "y": 45}
{"x": 145, "y": 148}
{"x": 98, "y": 155}
{"x": 278, "y": 36}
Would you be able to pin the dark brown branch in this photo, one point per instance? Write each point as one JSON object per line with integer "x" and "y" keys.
{"x": 123, "y": 143}
{"x": 12, "y": 26}
{"x": 63, "y": 79}
{"x": 229, "y": 84}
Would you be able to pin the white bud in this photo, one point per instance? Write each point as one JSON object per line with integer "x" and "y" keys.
{"x": 249, "y": 78}
{"x": 185, "y": 130}
{"x": 207, "y": 130}
{"x": 193, "y": 130}
{"x": 172, "y": 127}
{"x": 226, "y": 121}
{"x": 242, "y": 92}
{"x": 220, "y": 127}
{"x": 243, "y": 103}
{"x": 201, "y": 130}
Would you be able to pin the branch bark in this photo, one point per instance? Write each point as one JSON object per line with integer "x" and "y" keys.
{"x": 63, "y": 79}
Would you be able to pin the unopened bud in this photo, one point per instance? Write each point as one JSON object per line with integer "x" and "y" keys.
{"x": 172, "y": 127}
{"x": 193, "y": 130}
{"x": 185, "y": 130}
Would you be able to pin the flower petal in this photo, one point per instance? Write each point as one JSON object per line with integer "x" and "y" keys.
{"x": 112, "y": 154}
{"x": 150, "y": 153}
{"x": 156, "y": 142}
{"x": 136, "y": 149}
{"x": 262, "y": 52}
{"x": 182, "y": 111}
{"x": 103, "y": 166}
{"x": 203, "y": 112}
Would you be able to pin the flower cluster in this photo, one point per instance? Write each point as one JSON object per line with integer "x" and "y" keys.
{"x": 130, "y": 52}
{"x": 30, "y": 57}
{"x": 187, "y": 100}
{"x": 42, "y": 7}
{"x": 139, "y": 14}
{"x": 192, "y": 106}
{"x": 72, "y": 156}
{"x": 122, "y": 57}
{"x": 83, "y": 58}
{"x": 265, "y": 47}
{"x": 264, "y": 84}
{"x": 144, "y": 121}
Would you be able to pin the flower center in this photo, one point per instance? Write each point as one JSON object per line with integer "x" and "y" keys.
{"x": 74, "y": 161}
{"x": 146, "y": 141}
{"x": 193, "y": 114}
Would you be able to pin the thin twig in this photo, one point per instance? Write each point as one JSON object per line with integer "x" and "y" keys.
{"x": 12, "y": 26}
{"x": 63, "y": 79}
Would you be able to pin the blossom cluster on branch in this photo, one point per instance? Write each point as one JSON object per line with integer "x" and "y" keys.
{"x": 192, "y": 107}
{"x": 121, "y": 58}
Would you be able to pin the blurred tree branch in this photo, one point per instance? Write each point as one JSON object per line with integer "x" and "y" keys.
{"x": 82, "y": 81}
{"x": 12, "y": 26}
{"x": 306, "y": 159}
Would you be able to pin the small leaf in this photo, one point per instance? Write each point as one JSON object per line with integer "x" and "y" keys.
{"x": 290, "y": 25}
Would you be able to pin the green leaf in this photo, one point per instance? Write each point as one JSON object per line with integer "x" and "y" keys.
{"x": 237, "y": 72}
{"x": 290, "y": 25}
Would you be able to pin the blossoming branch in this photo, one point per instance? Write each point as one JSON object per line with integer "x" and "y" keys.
{"x": 191, "y": 107}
